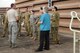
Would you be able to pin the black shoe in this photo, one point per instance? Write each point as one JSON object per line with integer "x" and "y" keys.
{"x": 39, "y": 50}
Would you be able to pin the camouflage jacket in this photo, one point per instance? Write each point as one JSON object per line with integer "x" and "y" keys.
{"x": 55, "y": 19}
{"x": 20, "y": 16}
{"x": 26, "y": 17}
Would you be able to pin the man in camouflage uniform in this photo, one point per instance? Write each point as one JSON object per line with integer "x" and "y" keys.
{"x": 55, "y": 25}
{"x": 38, "y": 29}
{"x": 27, "y": 22}
{"x": 1, "y": 23}
{"x": 5, "y": 25}
{"x": 19, "y": 22}
{"x": 33, "y": 25}
{"x": 1, "y": 19}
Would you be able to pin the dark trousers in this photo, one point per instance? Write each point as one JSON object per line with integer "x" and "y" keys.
{"x": 44, "y": 40}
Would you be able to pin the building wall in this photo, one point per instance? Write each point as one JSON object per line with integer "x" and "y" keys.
{"x": 64, "y": 8}
{"x": 2, "y": 10}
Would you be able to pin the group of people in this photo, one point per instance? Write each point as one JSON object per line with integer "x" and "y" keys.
{"x": 45, "y": 24}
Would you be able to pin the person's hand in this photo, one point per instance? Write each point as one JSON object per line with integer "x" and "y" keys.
{"x": 38, "y": 24}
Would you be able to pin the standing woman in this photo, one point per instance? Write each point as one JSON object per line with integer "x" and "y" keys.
{"x": 45, "y": 26}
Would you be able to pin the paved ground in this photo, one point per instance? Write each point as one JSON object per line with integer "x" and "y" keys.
{"x": 26, "y": 45}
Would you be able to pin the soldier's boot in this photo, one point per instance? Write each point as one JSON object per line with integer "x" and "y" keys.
{"x": 19, "y": 33}
{"x": 56, "y": 39}
{"x": 34, "y": 38}
{"x": 14, "y": 45}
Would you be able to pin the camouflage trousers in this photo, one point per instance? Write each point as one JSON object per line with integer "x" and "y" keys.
{"x": 54, "y": 34}
{"x": 5, "y": 29}
{"x": 19, "y": 28}
{"x": 28, "y": 29}
{"x": 34, "y": 31}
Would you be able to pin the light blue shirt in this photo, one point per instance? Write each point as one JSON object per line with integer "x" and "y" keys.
{"x": 45, "y": 19}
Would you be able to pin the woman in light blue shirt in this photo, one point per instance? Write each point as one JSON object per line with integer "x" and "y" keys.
{"x": 45, "y": 26}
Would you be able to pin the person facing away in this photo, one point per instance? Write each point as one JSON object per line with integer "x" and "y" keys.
{"x": 45, "y": 26}
{"x": 12, "y": 16}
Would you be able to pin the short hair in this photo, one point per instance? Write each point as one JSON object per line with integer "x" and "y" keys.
{"x": 41, "y": 8}
{"x": 12, "y": 5}
{"x": 55, "y": 8}
{"x": 26, "y": 8}
{"x": 32, "y": 10}
{"x": 45, "y": 9}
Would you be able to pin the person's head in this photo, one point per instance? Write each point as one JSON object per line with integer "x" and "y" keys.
{"x": 54, "y": 8}
{"x": 13, "y": 5}
{"x": 32, "y": 11}
{"x": 18, "y": 9}
{"x": 41, "y": 9}
{"x": 26, "y": 9}
{"x": 44, "y": 9}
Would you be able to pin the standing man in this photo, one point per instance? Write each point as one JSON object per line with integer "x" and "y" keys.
{"x": 5, "y": 24}
{"x": 33, "y": 25}
{"x": 27, "y": 22}
{"x": 20, "y": 21}
{"x": 12, "y": 16}
{"x": 44, "y": 30}
{"x": 55, "y": 25}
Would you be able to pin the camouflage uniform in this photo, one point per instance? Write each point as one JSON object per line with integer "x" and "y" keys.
{"x": 38, "y": 28}
{"x": 27, "y": 23}
{"x": 5, "y": 25}
{"x": 33, "y": 25}
{"x": 55, "y": 26}
{"x": 1, "y": 19}
{"x": 19, "y": 22}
